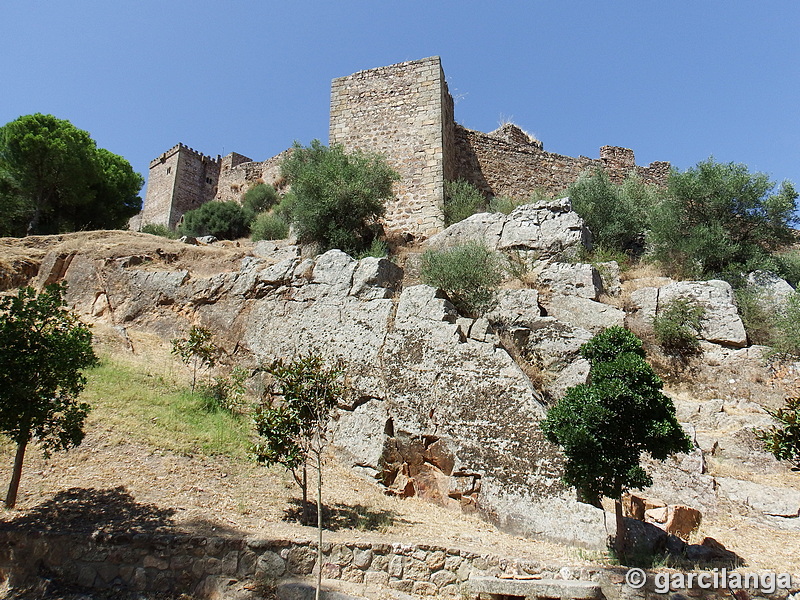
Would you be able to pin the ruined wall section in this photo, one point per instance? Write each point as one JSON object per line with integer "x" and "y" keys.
{"x": 237, "y": 176}
{"x": 402, "y": 112}
{"x": 510, "y": 166}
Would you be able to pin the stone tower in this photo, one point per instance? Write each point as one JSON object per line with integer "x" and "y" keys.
{"x": 179, "y": 180}
{"x": 405, "y": 113}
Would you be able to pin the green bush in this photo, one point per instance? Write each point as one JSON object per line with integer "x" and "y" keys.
{"x": 269, "y": 226}
{"x": 377, "y": 249}
{"x": 223, "y": 220}
{"x": 718, "y": 216}
{"x": 258, "y": 199}
{"x": 783, "y": 440}
{"x": 608, "y": 346}
{"x": 504, "y": 204}
{"x": 759, "y": 322}
{"x": 604, "y": 426}
{"x": 336, "y": 198}
{"x": 787, "y": 337}
{"x": 159, "y": 230}
{"x": 617, "y": 215}
{"x": 461, "y": 200}
{"x": 677, "y": 326}
{"x": 468, "y": 274}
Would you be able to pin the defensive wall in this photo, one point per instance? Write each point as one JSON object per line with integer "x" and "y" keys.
{"x": 405, "y": 113}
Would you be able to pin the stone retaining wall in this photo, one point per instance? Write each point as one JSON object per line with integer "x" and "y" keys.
{"x": 208, "y": 566}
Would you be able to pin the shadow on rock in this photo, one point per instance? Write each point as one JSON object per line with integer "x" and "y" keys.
{"x": 341, "y": 516}
{"x": 650, "y": 546}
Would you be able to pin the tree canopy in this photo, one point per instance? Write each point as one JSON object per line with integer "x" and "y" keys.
{"x": 54, "y": 178}
{"x": 718, "y": 216}
{"x": 605, "y": 425}
{"x": 336, "y": 197}
{"x": 43, "y": 351}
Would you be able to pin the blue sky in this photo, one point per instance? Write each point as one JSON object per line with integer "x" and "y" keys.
{"x": 676, "y": 81}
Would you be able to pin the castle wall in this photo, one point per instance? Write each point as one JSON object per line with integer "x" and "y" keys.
{"x": 405, "y": 113}
{"x": 236, "y": 177}
{"x": 509, "y": 166}
{"x": 402, "y": 112}
{"x": 157, "y": 205}
{"x": 180, "y": 180}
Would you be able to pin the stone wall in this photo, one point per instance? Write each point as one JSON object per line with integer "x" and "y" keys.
{"x": 403, "y": 112}
{"x": 237, "y": 176}
{"x": 210, "y": 566}
{"x": 179, "y": 180}
{"x": 508, "y": 163}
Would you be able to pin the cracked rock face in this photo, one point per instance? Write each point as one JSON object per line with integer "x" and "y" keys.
{"x": 546, "y": 229}
{"x": 721, "y": 322}
{"x": 439, "y": 408}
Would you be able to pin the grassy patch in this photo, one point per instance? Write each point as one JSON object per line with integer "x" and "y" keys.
{"x": 140, "y": 407}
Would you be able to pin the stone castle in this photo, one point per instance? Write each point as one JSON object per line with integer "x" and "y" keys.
{"x": 404, "y": 112}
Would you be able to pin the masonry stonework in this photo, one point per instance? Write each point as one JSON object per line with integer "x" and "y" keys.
{"x": 180, "y": 180}
{"x": 405, "y": 113}
{"x": 399, "y": 112}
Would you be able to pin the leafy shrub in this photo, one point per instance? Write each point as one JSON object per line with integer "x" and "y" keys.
{"x": 788, "y": 267}
{"x": 783, "y": 441}
{"x": 468, "y": 274}
{"x": 336, "y": 198}
{"x": 608, "y": 346}
{"x": 725, "y": 216}
{"x": 787, "y": 337}
{"x": 678, "y": 325}
{"x": 378, "y": 249}
{"x": 159, "y": 230}
{"x": 504, "y": 204}
{"x": 461, "y": 200}
{"x": 759, "y": 322}
{"x": 224, "y": 393}
{"x": 269, "y": 226}
{"x": 617, "y": 215}
{"x": 223, "y": 220}
{"x": 259, "y": 198}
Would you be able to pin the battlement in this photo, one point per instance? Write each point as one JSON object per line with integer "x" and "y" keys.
{"x": 162, "y": 158}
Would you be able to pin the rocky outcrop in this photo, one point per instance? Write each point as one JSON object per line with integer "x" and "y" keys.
{"x": 721, "y": 323}
{"x": 770, "y": 291}
{"x": 547, "y": 229}
{"x": 439, "y": 408}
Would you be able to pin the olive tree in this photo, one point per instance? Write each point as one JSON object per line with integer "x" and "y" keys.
{"x": 716, "y": 217}
{"x": 336, "y": 197}
{"x": 43, "y": 352}
{"x": 604, "y": 426}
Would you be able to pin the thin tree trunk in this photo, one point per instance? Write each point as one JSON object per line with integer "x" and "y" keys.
{"x": 16, "y": 475}
{"x": 621, "y": 540}
{"x": 304, "y": 486}
{"x": 319, "y": 523}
